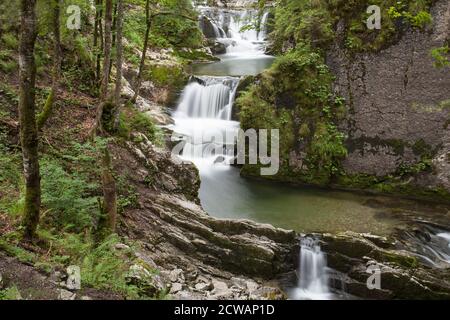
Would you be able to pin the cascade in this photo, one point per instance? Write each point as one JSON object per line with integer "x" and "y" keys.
{"x": 313, "y": 273}
{"x": 203, "y": 117}
{"x": 231, "y": 29}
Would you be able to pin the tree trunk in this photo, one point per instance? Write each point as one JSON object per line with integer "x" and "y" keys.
{"x": 98, "y": 36}
{"x": 48, "y": 107}
{"x": 137, "y": 86}
{"x": 107, "y": 49}
{"x": 27, "y": 118}
{"x": 109, "y": 193}
{"x": 119, "y": 60}
{"x": 114, "y": 32}
{"x": 106, "y": 64}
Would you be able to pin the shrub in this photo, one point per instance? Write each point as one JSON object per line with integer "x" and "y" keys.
{"x": 298, "y": 88}
{"x": 11, "y": 293}
{"x": 133, "y": 120}
{"x": 11, "y": 41}
{"x": 67, "y": 197}
{"x": 441, "y": 56}
{"x": 101, "y": 266}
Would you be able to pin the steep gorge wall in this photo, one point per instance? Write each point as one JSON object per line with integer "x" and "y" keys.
{"x": 399, "y": 105}
{"x": 390, "y": 133}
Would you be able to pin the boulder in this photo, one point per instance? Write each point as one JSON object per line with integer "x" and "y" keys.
{"x": 218, "y": 48}
{"x": 207, "y": 27}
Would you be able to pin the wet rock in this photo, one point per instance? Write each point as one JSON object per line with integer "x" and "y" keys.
{"x": 1, "y": 282}
{"x": 219, "y": 159}
{"x": 218, "y": 48}
{"x": 380, "y": 137}
{"x": 401, "y": 276}
{"x": 189, "y": 246}
{"x": 207, "y": 27}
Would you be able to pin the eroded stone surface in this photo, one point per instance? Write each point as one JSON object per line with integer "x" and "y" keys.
{"x": 188, "y": 246}
{"x": 397, "y": 102}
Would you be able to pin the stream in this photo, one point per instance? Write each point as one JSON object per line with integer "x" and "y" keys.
{"x": 203, "y": 120}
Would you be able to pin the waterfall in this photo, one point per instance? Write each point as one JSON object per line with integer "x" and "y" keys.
{"x": 263, "y": 26}
{"x": 231, "y": 28}
{"x": 313, "y": 274}
{"x": 430, "y": 244}
{"x": 203, "y": 118}
{"x": 208, "y": 97}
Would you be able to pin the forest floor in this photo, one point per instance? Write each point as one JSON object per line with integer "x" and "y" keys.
{"x": 31, "y": 284}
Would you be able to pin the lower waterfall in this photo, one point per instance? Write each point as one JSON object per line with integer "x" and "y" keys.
{"x": 312, "y": 273}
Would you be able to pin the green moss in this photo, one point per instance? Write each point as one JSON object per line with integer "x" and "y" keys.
{"x": 295, "y": 97}
{"x": 166, "y": 75}
{"x": 422, "y": 149}
{"x": 132, "y": 120}
{"x": 315, "y": 22}
{"x": 441, "y": 56}
{"x": 195, "y": 55}
{"x": 396, "y": 145}
{"x": 15, "y": 251}
{"x": 398, "y": 184}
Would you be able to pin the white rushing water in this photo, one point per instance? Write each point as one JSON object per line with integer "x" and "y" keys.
{"x": 313, "y": 274}
{"x": 431, "y": 246}
{"x": 203, "y": 117}
{"x": 243, "y": 32}
{"x": 438, "y": 248}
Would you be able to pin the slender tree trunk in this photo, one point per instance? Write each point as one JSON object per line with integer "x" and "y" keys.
{"x": 114, "y": 32}
{"x": 27, "y": 118}
{"x": 107, "y": 49}
{"x": 109, "y": 193}
{"x": 106, "y": 64}
{"x": 119, "y": 60}
{"x": 57, "y": 58}
{"x": 98, "y": 36}
{"x": 138, "y": 83}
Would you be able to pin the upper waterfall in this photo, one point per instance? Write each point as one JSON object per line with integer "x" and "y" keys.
{"x": 242, "y": 32}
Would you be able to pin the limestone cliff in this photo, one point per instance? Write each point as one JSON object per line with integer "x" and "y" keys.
{"x": 398, "y": 105}
{"x": 356, "y": 109}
